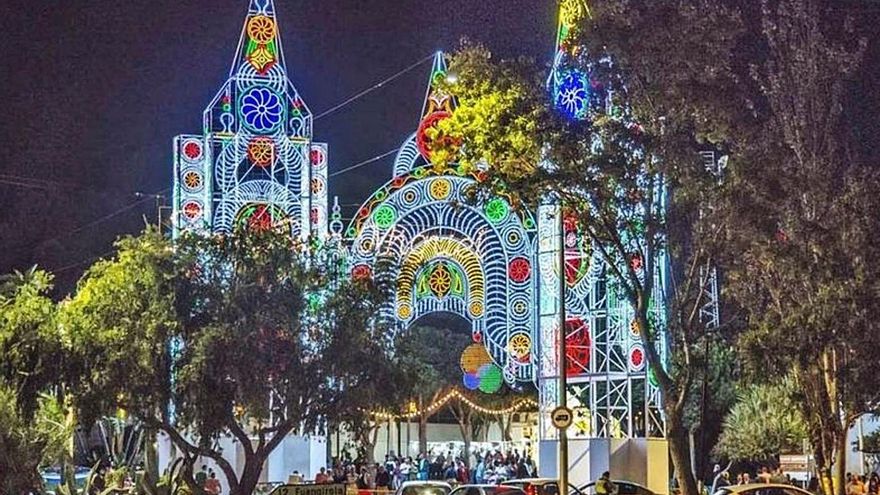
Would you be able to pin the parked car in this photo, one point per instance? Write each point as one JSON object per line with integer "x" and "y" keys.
{"x": 761, "y": 489}
{"x": 52, "y": 479}
{"x": 540, "y": 486}
{"x": 424, "y": 488}
{"x": 487, "y": 490}
{"x": 623, "y": 488}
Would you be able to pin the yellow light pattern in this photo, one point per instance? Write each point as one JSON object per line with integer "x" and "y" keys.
{"x": 440, "y": 189}
{"x": 476, "y": 309}
{"x": 520, "y": 346}
{"x": 261, "y": 29}
{"x": 572, "y": 12}
{"x": 260, "y": 58}
{"x": 443, "y": 248}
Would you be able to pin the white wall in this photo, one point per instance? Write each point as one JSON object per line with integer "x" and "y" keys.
{"x": 854, "y": 459}
{"x": 387, "y": 442}
{"x": 304, "y": 454}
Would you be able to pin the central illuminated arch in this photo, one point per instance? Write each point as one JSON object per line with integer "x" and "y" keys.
{"x": 435, "y": 273}
{"x": 425, "y": 217}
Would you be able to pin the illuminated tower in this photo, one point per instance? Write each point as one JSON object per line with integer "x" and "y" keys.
{"x": 255, "y": 165}
{"x": 618, "y": 423}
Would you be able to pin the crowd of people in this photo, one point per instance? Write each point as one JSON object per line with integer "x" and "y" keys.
{"x": 481, "y": 467}
{"x": 856, "y": 485}
{"x": 764, "y": 475}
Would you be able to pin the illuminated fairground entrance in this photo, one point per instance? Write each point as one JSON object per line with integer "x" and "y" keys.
{"x": 450, "y": 255}
{"x": 492, "y": 263}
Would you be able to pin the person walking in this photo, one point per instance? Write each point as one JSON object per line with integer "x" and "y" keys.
{"x": 202, "y": 476}
{"x": 604, "y": 485}
{"x": 383, "y": 478}
{"x": 874, "y": 484}
{"x": 212, "y": 484}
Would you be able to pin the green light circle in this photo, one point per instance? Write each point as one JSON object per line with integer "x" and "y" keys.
{"x": 497, "y": 210}
{"x": 384, "y": 216}
{"x": 491, "y": 379}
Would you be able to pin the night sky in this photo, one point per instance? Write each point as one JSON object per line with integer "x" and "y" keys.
{"x": 95, "y": 91}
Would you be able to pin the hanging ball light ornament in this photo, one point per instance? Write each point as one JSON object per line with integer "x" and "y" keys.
{"x": 474, "y": 357}
{"x": 491, "y": 379}
{"x": 471, "y": 381}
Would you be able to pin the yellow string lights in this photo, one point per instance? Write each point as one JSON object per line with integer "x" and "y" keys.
{"x": 454, "y": 394}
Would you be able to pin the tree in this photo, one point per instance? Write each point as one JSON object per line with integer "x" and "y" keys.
{"x": 33, "y": 428}
{"x": 635, "y": 185}
{"x": 215, "y": 336}
{"x": 356, "y": 305}
{"x": 765, "y": 423}
{"x": 430, "y": 355}
{"x": 802, "y": 241}
{"x": 28, "y": 443}
{"x": 29, "y": 342}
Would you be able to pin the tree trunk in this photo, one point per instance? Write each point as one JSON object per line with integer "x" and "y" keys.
{"x": 253, "y": 468}
{"x": 423, "y": 435}
{"x": 679, "y": 451}
{"x": 506, "y": 434}
{"x": 840, "y": 462}
{"x": 467, "y": 437}
{"x": 423, "y": 429}
{"x": 370, "y": 445}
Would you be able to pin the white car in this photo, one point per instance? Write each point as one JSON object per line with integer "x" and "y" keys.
{"x": 424, "y": 488}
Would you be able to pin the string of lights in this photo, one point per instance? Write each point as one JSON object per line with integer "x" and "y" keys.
{"x": 455, "y": 394}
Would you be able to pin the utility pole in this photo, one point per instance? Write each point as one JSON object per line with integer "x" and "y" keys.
{"x": 160, "y": 207}
{"x": 561, "y": 363}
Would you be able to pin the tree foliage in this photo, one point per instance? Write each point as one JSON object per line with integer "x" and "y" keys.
{"x": 29, "y": 443}
{"x": 379, "y": 381}
{"x": 29, "y": 344}
{"x": 802, "y": 221}
{"x": 764, "y": 423}
{"x": 614, "y": 173}
{"x": 235, "y": 336}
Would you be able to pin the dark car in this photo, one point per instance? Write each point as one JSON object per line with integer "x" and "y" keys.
{"x": 487, "y": 490}
{"x": 761, "y": 489}
{"x": 540, "y": 486}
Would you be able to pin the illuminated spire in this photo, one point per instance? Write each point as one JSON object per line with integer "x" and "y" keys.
{"x": 336, "y": 219}
{"x": 569, "y": 83}
{"x": 439, "y": 105}
{"x": 572, "y": 13}
{"x": 260, "y": 44}
{"x": 437, "y": 99}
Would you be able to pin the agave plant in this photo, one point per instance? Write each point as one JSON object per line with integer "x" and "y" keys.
{"x": 763, "y": 424}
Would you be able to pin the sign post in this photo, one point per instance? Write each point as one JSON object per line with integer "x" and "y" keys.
{"x": 334, "y": 489}
{"x": 561, "y": 365}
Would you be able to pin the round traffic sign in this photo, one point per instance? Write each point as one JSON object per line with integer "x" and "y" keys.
{"x": 562, "y": 417}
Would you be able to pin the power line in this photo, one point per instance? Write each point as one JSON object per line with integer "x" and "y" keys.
{"x": 83, "y": 262}
{"x": 365, "y": 162}
{"x": 143, "y": 199}
{"x": 22, "y": 178}
{"x": 373, "y": 88}
{"x": 25, "y": 185}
